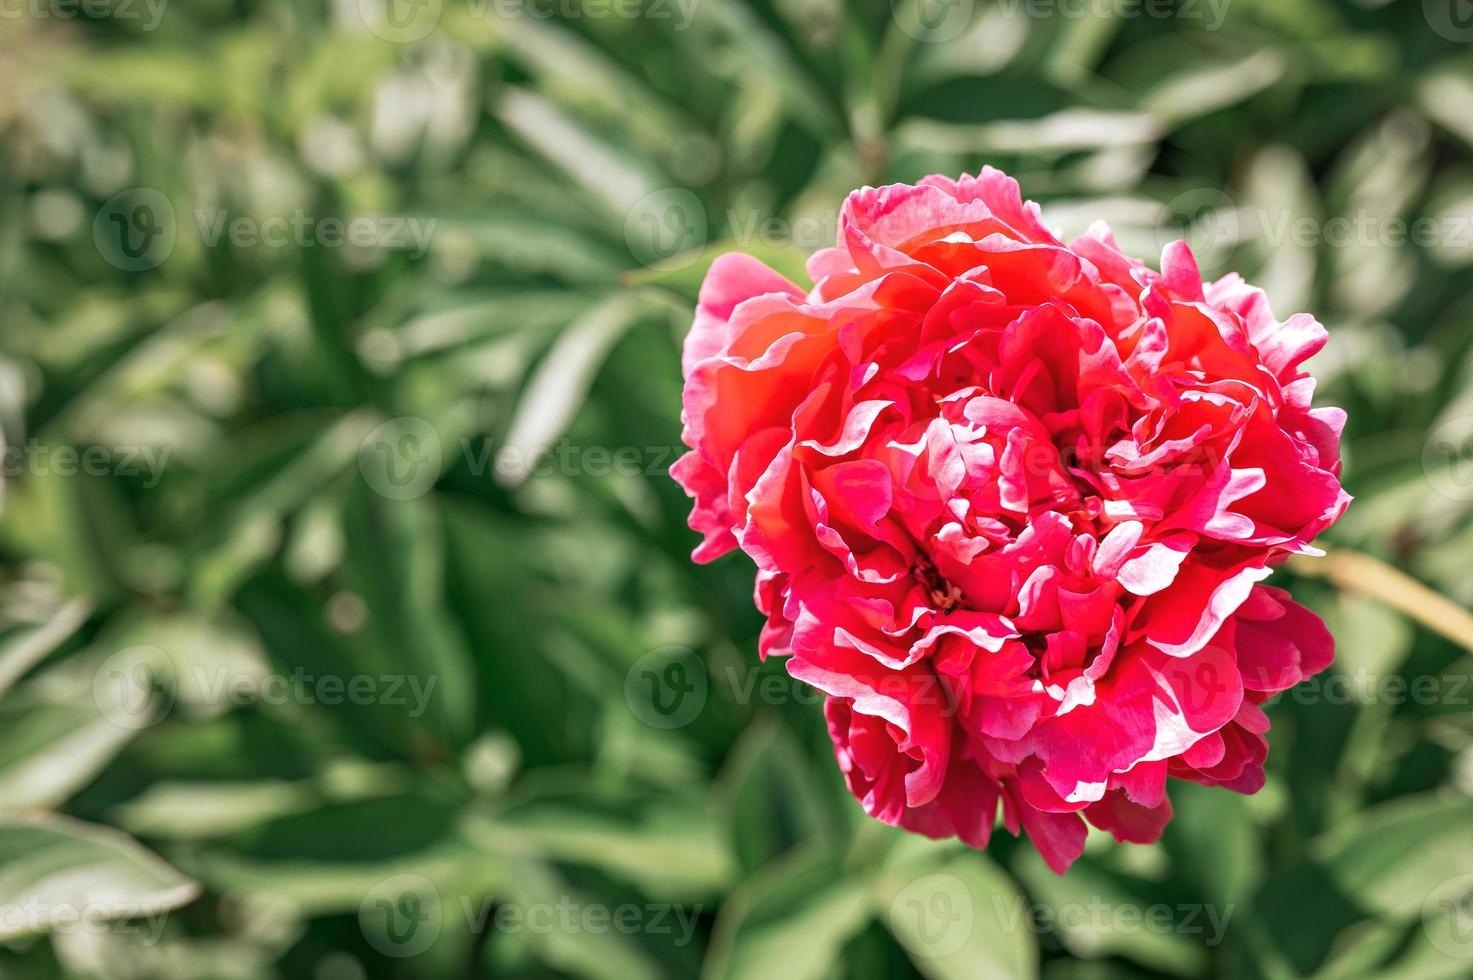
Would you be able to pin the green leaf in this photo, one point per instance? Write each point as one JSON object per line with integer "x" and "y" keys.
{"x": 1096, "y": 912}
{"x": 62, "y": 728}
{"x": 207, "y": 810}
{"x": 27, "y": 646}
{"x": 667, "y": 845}
{"x": 332, "y": 858}
{"x": 1214, "y": 843}
{"x": 772, "y": 796}
{"x": 1392, "y": 856}
{"x": 556, "y": 389}
{"x": 535, "y": 893}
{"x": 55, "y": 871}
{"x": 791, "y": 920}
{"x": 1207, "y": 87}
{"x": 607, "y": 174}
{"x": 396, "y": 565}
{"x": 958, "y": 915}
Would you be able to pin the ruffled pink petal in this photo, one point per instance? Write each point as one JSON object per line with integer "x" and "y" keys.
{"x": 1127, "y": 820}
{"x": 732, "y": 278}
{"x": 1279, "y": 642}
{"x": 1010, "y": 500}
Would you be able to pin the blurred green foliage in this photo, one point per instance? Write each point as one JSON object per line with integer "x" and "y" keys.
{"x": 292, "y": 602}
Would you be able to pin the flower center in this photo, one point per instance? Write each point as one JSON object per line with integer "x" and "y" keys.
{"x": 944, "y": 596}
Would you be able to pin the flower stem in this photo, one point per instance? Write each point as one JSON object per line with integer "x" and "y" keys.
{"x": 1358, "y": 572}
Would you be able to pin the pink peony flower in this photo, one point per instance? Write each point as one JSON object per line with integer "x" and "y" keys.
{"x": 1010, "y": 500}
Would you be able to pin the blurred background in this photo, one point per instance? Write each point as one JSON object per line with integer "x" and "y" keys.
{"x": 349, "y": 629}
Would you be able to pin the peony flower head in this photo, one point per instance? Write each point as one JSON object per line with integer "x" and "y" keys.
{"x": 1011, "y": 500}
